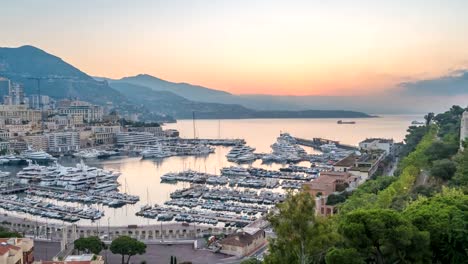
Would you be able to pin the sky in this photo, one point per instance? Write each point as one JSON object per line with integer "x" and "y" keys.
{"x": 333, "y": 47}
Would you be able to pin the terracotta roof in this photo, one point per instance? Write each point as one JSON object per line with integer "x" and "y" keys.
{"x": 241, "y": 239}
{"x": 6, "y": 248}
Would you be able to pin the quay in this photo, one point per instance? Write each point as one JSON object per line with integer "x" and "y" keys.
{"x": 317, "y": 142}
{"x": 148, "y": 233}
{"x": 48, "y": 209}
{"x": 94, "y": 195}
{"x": 14, "y": 189}
{"x": 218, "y": 218}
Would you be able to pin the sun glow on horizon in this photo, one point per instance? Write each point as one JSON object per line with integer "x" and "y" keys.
{"x": 251, "y": 47}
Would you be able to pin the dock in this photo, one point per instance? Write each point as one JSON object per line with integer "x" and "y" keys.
{"x": 94, "y": 195}
{"x": 14, "y": 189}
{"x": 317, "y": 142}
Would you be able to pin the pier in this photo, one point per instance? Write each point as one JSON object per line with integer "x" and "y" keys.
{"x": 14, "y": 189}
{"x": 96, "y": 195}
{"x": 317, "y": 142}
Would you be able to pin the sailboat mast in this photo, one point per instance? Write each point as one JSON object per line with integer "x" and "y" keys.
{"x": 194, "y": 128}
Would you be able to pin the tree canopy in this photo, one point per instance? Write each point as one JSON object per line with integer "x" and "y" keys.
{"x": 445, "y": 217}
{"x": 344, "y": 256}
{"x": 301, "y": 236}
{"x": 89, "y": 244}
{"x": 127, "y": 246}
{"x": 5, "y": 233}
{"x": 384, "y": 236}
{"x": 443, "y": 169}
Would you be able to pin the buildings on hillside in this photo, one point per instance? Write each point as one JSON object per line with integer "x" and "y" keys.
{"x": 243, "y": 242}
{"x": 349, "y": 172}
{"x": 90, "y": 113}
{"x": 371, "y": 144}
{"x": 135, "y": 138}
{"x": 16, "y": 251}
{"x": 330, "y": 182}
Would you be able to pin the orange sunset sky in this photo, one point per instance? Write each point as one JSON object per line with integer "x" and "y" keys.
{"x": 255, "y": 47}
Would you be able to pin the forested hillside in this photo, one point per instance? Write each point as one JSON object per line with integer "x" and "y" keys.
{"x": 418, "y": 216}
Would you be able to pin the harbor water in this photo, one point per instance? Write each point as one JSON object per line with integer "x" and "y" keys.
{"x": 142, "y": 177}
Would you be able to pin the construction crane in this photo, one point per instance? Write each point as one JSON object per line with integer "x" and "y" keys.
{"x": 41, "y": 105}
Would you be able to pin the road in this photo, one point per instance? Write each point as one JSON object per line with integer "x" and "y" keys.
{"x": 155, "y": 254}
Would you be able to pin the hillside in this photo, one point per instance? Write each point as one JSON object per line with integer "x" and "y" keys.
{"x": 153, "y": 98}
{"x": 60, "y": 79}
{"x": 164, "y": 102}
{"x": 189, "y": 91}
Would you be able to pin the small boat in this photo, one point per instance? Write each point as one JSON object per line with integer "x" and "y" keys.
{"x": 341, "y": 122}
{"x": 415, "y": 122}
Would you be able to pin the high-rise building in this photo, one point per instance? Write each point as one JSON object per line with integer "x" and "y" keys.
{"x": 39, "y": 101}
{"x": 463, "y": 128}
{"x": 63, "y": 142}
{"x": 15, "y": 93}
{"x": 4, "y": 86}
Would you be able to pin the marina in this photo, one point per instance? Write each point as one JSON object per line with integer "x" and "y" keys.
{"x": 140, "y": 177}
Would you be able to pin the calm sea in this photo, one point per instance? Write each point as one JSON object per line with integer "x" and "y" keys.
{"x": 142, "y": 177}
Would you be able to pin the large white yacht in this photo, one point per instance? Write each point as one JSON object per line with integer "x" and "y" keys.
{"x": 38, "y": 156}
{"x": 157, "y": 151}
{"x": 80, "y": 177}
{"x": 285, "y": 149}
{"x": 241, "y": 153}
{"x": 328, "y": 147}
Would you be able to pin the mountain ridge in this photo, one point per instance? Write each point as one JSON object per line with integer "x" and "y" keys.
{"x": 63, "y": 80}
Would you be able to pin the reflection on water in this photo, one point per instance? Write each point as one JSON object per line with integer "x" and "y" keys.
{"x": 142, "y": 177}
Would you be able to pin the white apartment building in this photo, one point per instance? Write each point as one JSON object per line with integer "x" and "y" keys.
{"x": 377, "y": 144}
{"x": 135, "y": 138}
{"x": 157, "y": 131}
{"x": 105, "y": 134}
{"x": 463, "y": 128}
{"x": 62, "y": 142}
{"x": 37, "y": 142}
{"x": 89, "y": 113}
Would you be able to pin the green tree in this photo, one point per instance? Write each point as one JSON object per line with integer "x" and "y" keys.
{"x": 445, "y": 217}
{"x": 441, "y": 150}
{"x": 443, "y": 169}
{"x": 6, "y": 233}
{"x": 301, "y": 236}
{"x": 429, "y": 118}
{"x": 251, "y": 261}
{"x": 384, "y": 236}
{"x": 89, "y": 244}
{"x": 127, "y": 246}
{"x": 344, "y": 256}
{"x": 461, "y": 175}
{"x": 412, "y": 138}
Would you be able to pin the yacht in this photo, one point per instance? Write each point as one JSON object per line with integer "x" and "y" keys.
{"x": 328, "y": 147}
{"x": 4, "y": 174}
{"x": 248, "y": 157}
{"x": 285, "y": 149}
{"x": 239, "y": 151}
{"x": 38, "y": 156}
{"x": 235, "y": 171}
{"x": 105, "y": 187}
{"x": 87, "y": 154}
{"x": 415, "y": 122}
{"x": 341, "y": 122}
{"x": 157, "y": 151}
